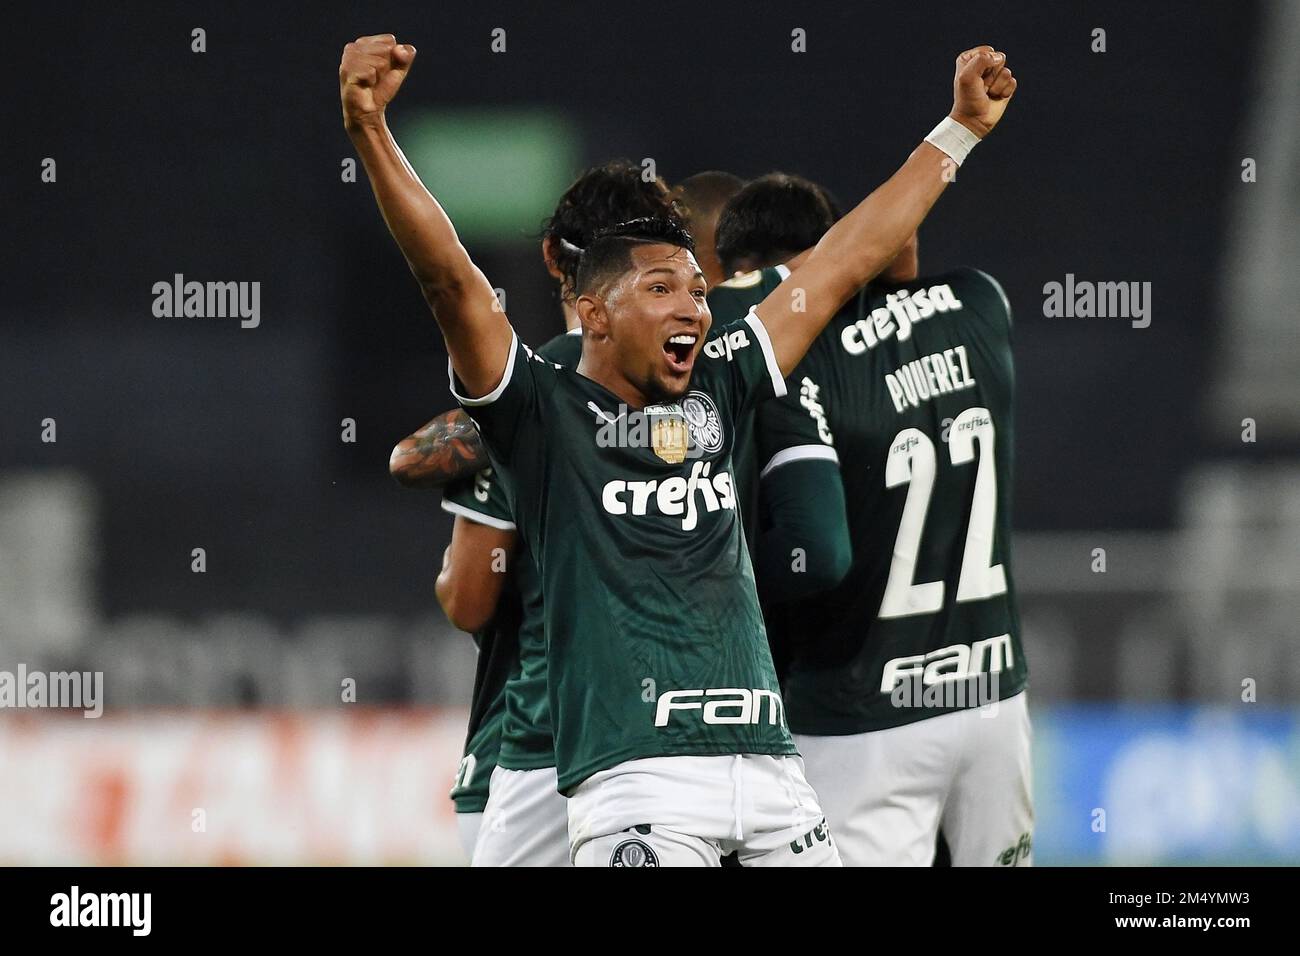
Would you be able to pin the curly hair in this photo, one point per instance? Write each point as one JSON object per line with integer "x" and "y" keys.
{"x": 603, "y": 197}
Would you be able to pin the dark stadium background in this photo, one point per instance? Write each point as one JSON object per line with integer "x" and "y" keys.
{"x": 225, "y": 165}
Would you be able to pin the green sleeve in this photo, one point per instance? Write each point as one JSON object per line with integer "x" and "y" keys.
{"x": 805, "y": 547}
{"x": 481, "y": 499}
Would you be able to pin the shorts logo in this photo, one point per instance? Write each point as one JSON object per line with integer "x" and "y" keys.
{"x": 633, "y": 853}
{"x": 1012, "y": 855}
{"x": 704, "y": 421}
{"x": 821, "y": 833}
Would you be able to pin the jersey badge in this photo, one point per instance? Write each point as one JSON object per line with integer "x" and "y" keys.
{"x": 704, "y": 422}
{"x": 668, "y": 435}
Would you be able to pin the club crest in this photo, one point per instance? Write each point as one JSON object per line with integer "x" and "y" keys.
{"x": 704, "y": 422}
{"x": 633, "y": 853}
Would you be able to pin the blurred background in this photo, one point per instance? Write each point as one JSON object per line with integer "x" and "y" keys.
{"x": 1165, "y": 688}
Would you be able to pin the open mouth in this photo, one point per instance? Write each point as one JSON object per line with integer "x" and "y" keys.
{"x": 678, "y": 351}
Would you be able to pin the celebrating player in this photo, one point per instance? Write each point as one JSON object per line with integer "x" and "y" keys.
{"x": 525, "y": 819}
{"x": 669, "y": 729}
{"x": 886, "y": 473}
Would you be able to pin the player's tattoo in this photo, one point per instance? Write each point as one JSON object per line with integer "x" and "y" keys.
{"x": 444, "y": 449}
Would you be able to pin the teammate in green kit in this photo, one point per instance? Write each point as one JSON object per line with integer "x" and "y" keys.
{"x": 702, "y": 197}
{"x": 524, "y": 821}
{"x": 670, "y": 732}
{"x": 884, "y": 553}
{"x": 792, "y": 214}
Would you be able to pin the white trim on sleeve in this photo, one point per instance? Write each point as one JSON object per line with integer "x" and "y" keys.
{"x": 477, "y": 516}
{"x": 800, "y": 453}
{"x": 997, "y": 287}
{"x": 769, "y": 355}
{"x": 782, "y": 270}
{"x": 493, "y": 395}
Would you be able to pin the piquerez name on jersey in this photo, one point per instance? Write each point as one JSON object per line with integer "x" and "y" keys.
{"x": 911, "y": 391}
{"x": 648, "y": 589}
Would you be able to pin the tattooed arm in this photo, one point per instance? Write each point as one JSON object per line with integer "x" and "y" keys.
{"x": 446, "y": 448}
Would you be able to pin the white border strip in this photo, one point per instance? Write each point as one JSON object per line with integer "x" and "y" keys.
{"x": 765, "y": 343}
{"x": 997, "y": 286}
{"x": 493, "y": 395}
{"x": 783, "y": 271}
{"x": 477, "y": 516}
{"x": 800, "y": 453}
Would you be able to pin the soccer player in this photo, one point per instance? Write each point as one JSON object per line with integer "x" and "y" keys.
{"x": 669, "y": 730}
{"x": 884, "y": 559}
{"x": 509, "y": 737}
{"x": 790, "y": 214}
{"x": 703, "y": 196}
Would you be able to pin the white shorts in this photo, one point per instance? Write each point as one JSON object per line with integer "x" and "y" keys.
{"x": 467, "y": 825}
{"x": 887, "y": 794}
{"x": 690, "y": 811}
{"x": 525, "y": 822}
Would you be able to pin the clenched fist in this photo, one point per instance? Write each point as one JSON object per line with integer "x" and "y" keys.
{"x": 981, "y": 89}
{"x": 370, "y": 74}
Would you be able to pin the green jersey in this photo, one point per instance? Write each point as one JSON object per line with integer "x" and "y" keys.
{"x": 655, "y": 642}
{"x": 728, "y": 302}
{"x": 510, "y": 720}
{"x": 526, "y": 737}
{"x": 911, "y": 388}
{"x": 480, "y": 500}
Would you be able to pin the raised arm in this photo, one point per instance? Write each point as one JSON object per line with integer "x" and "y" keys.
{"x": 443, "y": 449}
{"x": 864, "y": 242}
{"x": 472, "y": 322}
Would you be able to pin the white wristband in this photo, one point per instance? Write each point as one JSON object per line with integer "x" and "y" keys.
{"x": 952, "y": 138}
